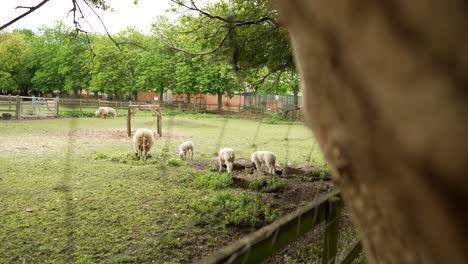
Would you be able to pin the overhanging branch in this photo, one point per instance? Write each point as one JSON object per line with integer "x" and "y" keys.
{"x": 31, "y": 9}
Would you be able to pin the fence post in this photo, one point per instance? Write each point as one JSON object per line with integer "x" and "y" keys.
{"x": 9, "y": 102}
{"x": 129, "y": 120}
{"x": 332, "y": 222}
{"x": 81, "y": 106}
{"x": 99, "y": 102}
{"x": 57, "y": 107}
{"x": 18, "y": 107}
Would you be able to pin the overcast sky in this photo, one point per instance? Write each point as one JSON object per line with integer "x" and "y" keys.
{"x": 125, "y": 14}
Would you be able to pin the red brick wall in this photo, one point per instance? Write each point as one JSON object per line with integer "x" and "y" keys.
{"x": 147, "y": 96}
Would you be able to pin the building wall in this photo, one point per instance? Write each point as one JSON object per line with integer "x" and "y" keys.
{"x": 147, "y": 97}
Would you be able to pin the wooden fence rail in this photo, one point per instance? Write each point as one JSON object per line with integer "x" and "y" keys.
{"x": 263, "y": 243}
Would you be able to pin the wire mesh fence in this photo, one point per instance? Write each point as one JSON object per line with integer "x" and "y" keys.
{"x": 309, "y": 251}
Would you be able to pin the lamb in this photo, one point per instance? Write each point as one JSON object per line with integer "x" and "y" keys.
{"x": 111, "y": 111}
{"x": 143, "y": 140}
{"x": 226, "y": 156}
{"x": 264, "y": 157}
{"x": 185, "y": 147}
{"x": 102, "y": 112}
{"x": 105, "y": 111}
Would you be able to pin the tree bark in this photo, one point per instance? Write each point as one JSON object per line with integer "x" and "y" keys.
{"x": 296, "y": 97}
{"x": 161, "y": 94}
{"x": 385, "y": 93}
{"x": 220, "y": 102}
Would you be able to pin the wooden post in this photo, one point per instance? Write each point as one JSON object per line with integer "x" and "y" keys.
{"x": 99, "y": 102}
{"x": 180, "y": 106}
{"x": 57, "y": 107}
{"x": 9, "y": 102}
{"x": 332, "y": 222}
{"x": 158, "y": 121}
{"x": 129, "y": 120}
{"x": 18, "y": 107}
{"x": 81, "y": 106}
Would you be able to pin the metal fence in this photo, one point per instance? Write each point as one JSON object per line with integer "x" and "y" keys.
{"x": 25, "y": 107}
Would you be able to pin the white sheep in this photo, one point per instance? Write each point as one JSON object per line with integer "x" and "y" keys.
{"x": 264, "y": 157}
{"x": 105, "y": 111}
{"x": 111, "y": 111}
{"x": 226, "y": 156}
{"x": 143, "y": 140}
{"x": 184, "y": 148}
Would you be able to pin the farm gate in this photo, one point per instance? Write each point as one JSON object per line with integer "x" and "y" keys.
{"x": 28, "y": 107}
{"x": 36, "y": 107}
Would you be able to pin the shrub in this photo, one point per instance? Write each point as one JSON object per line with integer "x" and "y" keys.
{"x": 322, "y": 173}
{"x": 174, "y": 162}
{"x": 214, "y": 181}
{"x": 274, "y": 184}
{"x": 243, "y": 209}
{"x": 76, "y": 113}
{"x": 274, "y": 119}
{"x": 101, "y": 155}
{"x": 211, "y": 167}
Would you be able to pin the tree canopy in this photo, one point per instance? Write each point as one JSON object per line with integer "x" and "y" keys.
{"x": 215, "y": 48}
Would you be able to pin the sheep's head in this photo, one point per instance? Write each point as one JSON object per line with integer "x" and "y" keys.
{"x": 180, "y": 153}
{"x": 97, "y": 113}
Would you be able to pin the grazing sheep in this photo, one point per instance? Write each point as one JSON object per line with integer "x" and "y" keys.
{"x": 105, "y": 111}
{"x": 226, "y": 156}
{"x": 111, "y": 111}
{"x": 264, "y": 157}
{"x": 185, "y": 147}
{"x": 143, "y": 140}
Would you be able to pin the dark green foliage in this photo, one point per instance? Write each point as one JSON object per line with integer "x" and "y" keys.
{"x": 274, "y": 184}
{"x": 243, "y": 209}
{"x": 213, "y": 180}
{"x": 174, "y": 162}
{"x": 323, "y": 173}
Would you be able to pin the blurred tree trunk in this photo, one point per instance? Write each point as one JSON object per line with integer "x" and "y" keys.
{"x": 220, "y": 102}
{"x": 385, "y": 91}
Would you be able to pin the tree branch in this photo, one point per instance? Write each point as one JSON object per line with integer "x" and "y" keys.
{"x": 103, "y": 24}
{"x": 31, "y": 9}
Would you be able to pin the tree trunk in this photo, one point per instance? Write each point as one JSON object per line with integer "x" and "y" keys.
{"x": 384, "y": 89}
{"x": 161, "y": 94}
{"x": 296, "y": 97}
{"x": 220, "y": 102}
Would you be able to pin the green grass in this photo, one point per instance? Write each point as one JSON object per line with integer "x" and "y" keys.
{"x": 71, "y": 190}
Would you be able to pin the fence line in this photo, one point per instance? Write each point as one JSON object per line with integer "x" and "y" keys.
{"x": 263, "y": 243}
{"x": 81, "y": 106}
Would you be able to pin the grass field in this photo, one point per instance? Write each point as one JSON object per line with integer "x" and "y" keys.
{"x": 69, "y": 193}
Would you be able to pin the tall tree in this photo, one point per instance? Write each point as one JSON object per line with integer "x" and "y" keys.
{"x": 15, "y": 52}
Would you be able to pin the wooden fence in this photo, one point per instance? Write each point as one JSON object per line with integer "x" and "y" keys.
{"x": 21, "y": 107}
{"x": 79, "y": 107}
{"x": 263, "y": 243}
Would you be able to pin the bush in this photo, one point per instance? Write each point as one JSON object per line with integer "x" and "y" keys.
{"x": 243, "y": 209}
{"x": 211, "y": 167}
{"x": 174, "y": 162}
{"x": 274, "y": 119}
{"x": 322, "y": 173}
{"x": 275, "y": 184}
{"x": 76, "y": 113}
{"x": 213, "y": 180}
{"x": 101, "y": 155}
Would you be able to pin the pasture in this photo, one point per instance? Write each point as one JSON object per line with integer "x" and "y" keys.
{"x": 70, "y": 191}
